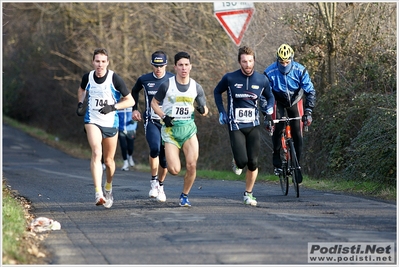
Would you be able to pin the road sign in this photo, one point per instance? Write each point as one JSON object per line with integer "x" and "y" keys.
{"x": 234, "y": 17}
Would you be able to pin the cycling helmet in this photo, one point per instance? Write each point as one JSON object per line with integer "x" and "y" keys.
{"x": 285, "y": 52}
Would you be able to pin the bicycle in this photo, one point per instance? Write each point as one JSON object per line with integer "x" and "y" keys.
{"x": 290, "y": 165}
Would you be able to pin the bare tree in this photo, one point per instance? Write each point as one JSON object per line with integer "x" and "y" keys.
{"x": 328, "y": 12}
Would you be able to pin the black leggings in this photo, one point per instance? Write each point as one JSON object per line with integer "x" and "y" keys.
{"x": 127, "y": 145}
{"x": 154, "y": 140}
{"x": 296, "y": 130}
{"x": 245, "y": 146}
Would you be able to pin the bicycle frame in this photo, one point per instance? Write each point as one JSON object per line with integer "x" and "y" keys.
{"x": 290, "y": 164}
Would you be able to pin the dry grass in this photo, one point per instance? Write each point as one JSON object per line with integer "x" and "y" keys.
{"x": 31, "y": 248}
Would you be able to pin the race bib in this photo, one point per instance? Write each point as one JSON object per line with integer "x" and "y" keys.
{"x": 181, "y": 112}
{"x": 245, "y": 114}
{"x": 155, "y": 116}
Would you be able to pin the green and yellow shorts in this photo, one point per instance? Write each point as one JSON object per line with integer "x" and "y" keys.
{"x": 178, "y": 134}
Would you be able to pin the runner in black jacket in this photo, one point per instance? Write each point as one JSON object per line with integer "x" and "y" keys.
{"x": 150, "y": 82}
{"x": 246, "y": 89}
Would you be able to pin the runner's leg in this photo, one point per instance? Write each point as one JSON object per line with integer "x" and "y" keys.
{"x": 109, "y": 149}
{"x": 190, "y": 150}
{"x": 173, "y": 159}
{"x": 153, "y": 136}
{"x": 123, "y": 144}
{"x": 94, "y": 137}
{"x": 238, "y": 147}
{"x": 252, "y": 148}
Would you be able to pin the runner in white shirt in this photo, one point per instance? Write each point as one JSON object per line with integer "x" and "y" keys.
{"x": 179, "y": 131}
{"x": 107, "y": 93}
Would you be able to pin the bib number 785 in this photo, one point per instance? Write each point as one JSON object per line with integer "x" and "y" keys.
{"x": 181, "y": 112}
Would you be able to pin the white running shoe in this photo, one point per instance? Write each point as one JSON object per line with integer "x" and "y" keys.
{"x": 104, "y": 167}
{"x": 161, "y": 194}
{"x": 125, "y": 166}
{"x": 249, "y": 199}
{"x": 131, "y": 161}
{"x": 109, "y": 199}
{"x": 236, "y": 170}
{"x": 154, "y": 188}
{"x": 100, "y": 199}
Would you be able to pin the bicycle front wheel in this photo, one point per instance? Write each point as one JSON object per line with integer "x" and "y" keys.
{"x": 284, "y": 180}
{"x": 295, "y": 169}
{"x": 295, "y": 181}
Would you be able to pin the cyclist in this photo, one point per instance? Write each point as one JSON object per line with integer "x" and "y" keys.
{"x": 150, "y": 82}
{"x": 245, "y": 88}
{"x": 290, "y": 81}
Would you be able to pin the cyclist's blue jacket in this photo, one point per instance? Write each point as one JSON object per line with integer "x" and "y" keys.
{"x": 244, "y": 94}
{"x": 289, "y": 88}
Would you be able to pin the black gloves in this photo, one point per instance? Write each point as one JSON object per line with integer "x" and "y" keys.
{"x": 107, "y": 109}
{"x": 200, "y": 109}
{"x": 168, "y": 120}
{"x": 269, "y": 123}
{"x": 80, "y": 111}
{"x": 307, "y": 118}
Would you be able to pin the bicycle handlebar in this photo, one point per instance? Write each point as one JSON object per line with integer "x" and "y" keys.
{"x": 284, "y": 119}
{"x": 287, "y": 119}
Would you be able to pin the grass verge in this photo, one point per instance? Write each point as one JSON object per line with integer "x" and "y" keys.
{"x": 367, "y": 189}
{"x": 19, "y": 245}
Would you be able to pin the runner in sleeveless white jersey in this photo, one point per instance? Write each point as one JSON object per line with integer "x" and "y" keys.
{"x": 106, "y": 92}
{"x": 179, "y": 131}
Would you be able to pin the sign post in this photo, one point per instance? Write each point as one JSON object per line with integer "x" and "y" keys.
{"x": 234, "y": 18}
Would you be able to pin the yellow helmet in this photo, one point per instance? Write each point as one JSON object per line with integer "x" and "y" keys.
{"x": 285, "y": 52}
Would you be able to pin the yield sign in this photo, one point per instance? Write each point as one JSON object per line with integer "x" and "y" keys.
{"x": 234, "y": 17}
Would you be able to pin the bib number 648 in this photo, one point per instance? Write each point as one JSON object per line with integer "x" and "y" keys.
{"x": 245, "y": 114}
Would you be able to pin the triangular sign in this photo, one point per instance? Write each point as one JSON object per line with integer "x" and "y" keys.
{"x": 235, "y": 22}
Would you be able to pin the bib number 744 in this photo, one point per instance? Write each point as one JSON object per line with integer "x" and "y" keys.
{"x": 101, "y": 102}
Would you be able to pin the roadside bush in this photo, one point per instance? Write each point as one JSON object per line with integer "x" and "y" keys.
{"x": 371, "y": 155}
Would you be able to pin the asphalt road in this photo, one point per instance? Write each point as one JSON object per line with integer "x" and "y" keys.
{"x": 217, "y": 229}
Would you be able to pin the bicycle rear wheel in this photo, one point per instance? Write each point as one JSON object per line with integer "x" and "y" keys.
{"x": 284, "y": 179}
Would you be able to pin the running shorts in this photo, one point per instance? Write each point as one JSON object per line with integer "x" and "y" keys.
{"x": 107, "y": 131}
{"x": 178, "y": 134}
